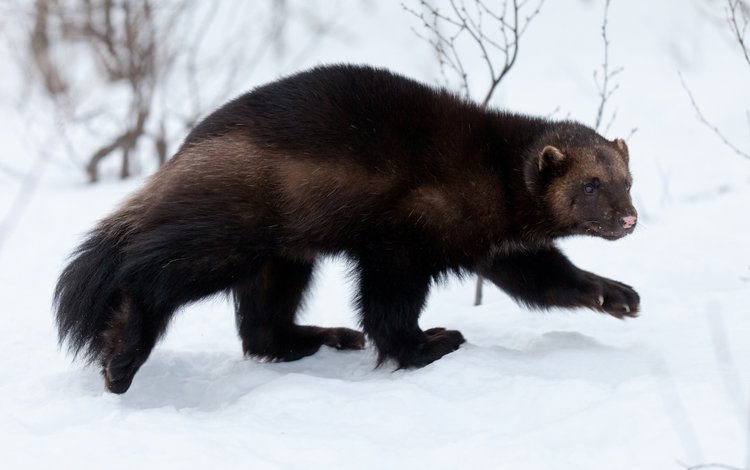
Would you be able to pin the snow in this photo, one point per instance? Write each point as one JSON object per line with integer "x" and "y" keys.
{"x": 529, "y": 390}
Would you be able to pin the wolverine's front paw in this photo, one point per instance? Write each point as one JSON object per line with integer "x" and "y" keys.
{"x": 613, "y": 297}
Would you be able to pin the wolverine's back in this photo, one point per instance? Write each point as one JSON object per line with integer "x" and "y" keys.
{"x": 328, "y": 111}
{"x": 332, "y": 158}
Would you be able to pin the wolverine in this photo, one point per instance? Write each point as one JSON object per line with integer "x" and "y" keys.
{"x": 409, "y": 182}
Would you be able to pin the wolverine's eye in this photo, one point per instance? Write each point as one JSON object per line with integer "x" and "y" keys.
{"x": 589, "y": 188}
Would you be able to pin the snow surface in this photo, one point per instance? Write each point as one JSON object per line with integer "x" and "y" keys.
{"x": 529, "y": 390}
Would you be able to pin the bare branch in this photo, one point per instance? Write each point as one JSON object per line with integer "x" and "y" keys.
{"x": 517, "y": 31}
{"x": 737, "y": 17}
{"x": 495, "y": 32}
{"x": 444, "y": 44}
{"x": 138, "y": 46}
{"x": 478, "y": 290}
{"x": 10, "y": 171}
{"x": 708, "y": 124}
{"x": 39, "y": 44}
{"x": 22, "y": 198}
{"x": 604, "y": 85}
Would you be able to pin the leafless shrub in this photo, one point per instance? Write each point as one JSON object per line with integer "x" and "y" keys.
{"x": 604, "y": 78}
{"x": 146, "y": 74}
{"x": 28, "y": 185}
{"x": 493, "y": 32}
{"x": 125, "y": 42}
{"x": 715, "y": 129}
{"x": 606, "y": 82}
{"x": 738, "y": 17}
{"x": 737, "y": 13}
{"x": 144, "y": 50}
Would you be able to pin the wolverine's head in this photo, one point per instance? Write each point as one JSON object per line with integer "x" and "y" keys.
{"x": 583, "y": 183}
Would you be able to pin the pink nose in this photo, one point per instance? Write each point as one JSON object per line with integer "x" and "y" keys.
{"x": 628, "y": 221}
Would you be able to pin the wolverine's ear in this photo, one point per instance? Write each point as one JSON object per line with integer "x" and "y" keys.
{"x": 623, "y": 148}
{"x": 550, "y": 157}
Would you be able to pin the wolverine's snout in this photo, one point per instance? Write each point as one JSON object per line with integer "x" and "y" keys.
{"x": 628, "y": 222}
{"x": 624, "y": 224}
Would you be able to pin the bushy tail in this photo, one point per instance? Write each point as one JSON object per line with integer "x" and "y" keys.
{"x": 87, "y": 296}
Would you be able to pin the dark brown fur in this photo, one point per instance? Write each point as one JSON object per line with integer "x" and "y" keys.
{"x": 409, "y": 182}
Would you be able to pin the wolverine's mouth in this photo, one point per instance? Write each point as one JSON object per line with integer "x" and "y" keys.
{"x": 598, "y": 229}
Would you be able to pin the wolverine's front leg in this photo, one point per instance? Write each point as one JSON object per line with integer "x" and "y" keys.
{"x": 392, "y": 293}
{"x": 546, "y": 278}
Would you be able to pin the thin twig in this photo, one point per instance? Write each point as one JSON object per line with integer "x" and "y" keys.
{"x": 603, "y": 85}
{"x": 707, "y": 123}
{"x": 737, "y": 17}
{"x": 23, "y": 197}
{"x": 494, "y": 32}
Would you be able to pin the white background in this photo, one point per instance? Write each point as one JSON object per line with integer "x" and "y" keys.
{"x": 529, "y": 390}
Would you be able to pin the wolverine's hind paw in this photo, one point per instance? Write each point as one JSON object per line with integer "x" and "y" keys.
{"x": 344, "y": 338}
{"x": 439, "y": 343}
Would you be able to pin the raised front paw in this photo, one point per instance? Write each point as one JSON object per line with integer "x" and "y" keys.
{"x": 613, "y": 297}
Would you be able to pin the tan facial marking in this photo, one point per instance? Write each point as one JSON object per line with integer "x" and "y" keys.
{"x": 588, "y": 163}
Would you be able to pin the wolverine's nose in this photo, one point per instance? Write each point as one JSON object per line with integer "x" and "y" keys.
{"x": 628, "y": 222}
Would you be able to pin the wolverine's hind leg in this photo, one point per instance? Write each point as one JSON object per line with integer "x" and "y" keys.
{"x": 266, "y": 305}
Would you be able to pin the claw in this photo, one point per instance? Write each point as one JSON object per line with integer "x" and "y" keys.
{"x": 627, "y": 308}
{"x": 601, "y": 300}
